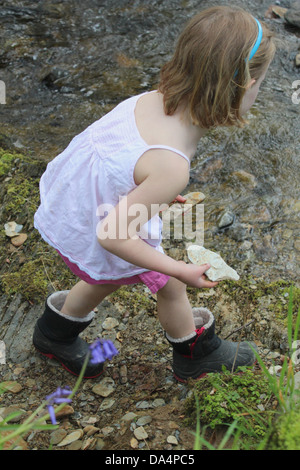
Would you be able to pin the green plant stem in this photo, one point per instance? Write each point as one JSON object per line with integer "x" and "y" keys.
{"x": 25, "y": 426}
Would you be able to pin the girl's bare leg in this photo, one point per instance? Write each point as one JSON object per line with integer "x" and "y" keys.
{"x": 174, "y": 309}
{"x": 84, "y": 297}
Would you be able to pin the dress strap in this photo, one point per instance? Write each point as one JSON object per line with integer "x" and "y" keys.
{"x": 172, "y": 149}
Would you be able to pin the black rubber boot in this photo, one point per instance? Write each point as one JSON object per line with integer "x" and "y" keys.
{"x": 56, "y": 337}
{"x": 204, "y": 352}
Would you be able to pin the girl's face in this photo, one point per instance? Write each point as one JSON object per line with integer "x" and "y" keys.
{"x": 251, "y": 94}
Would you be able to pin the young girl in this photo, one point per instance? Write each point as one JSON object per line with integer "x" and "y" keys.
{"x": 138, "y": 155}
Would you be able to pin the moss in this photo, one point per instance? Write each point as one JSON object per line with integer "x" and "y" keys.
{"x": 286, "y": 435}
{"x": 222, "y": 398}
{"x": 22, "y": 196}
{"x": 6, "y": 162}
{"x": 135, "y": 299}
{"x": 33, "y": 269}
{"x": 36, "y": 277}
{"x": 30, "y": 280}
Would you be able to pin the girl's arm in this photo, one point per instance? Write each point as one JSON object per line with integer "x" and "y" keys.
{"x": 166, "y": 176}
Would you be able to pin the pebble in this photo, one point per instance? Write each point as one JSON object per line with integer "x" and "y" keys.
{"x": 57, "y": 436}
{"x": 107, "y": 430}
{"x": 107, "y": 403}
{"x": 67, "y": 410}
{"x": 12, "y": 229}
{"x": 90, "y": 430}
{"x": 105, "y": 388}
{"x": 76, "y": 445}
{"x": 143, "y": 420}
{"x": 11, "y": 386}
{"x": 140, "y": 433}
{"x": 74, "y": 436}
{"x": 110, "y": 323}
{"x": 226, "y": 219}
{"x": 99, "y": 444}
{"x": 9, "y": 410}
{"x": 158, "y": 402}
{"x": 88, "y": 443}
{"x": 134, "y": 443}
{"x": 129, "y": 416}
{"x": 143, "y": 405}
{"x": 273, "y": 370}
{"x": 89, "y": 420}
{"x": 172, "y": 440}
{"x": 19, "y": 240}
{"x": 293, "y": 14}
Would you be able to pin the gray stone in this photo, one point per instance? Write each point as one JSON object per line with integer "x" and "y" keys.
{"x": 143, "y": 405}
{"x": 226, "y": 219}
{"x": 57, "y": 436}
{"x": 143, "y": 420}
{"x": 158, "y": 402}
{"x": 140, "y": 433}
{"x": 292, "y": 16}
{"x": 129, "y": 416}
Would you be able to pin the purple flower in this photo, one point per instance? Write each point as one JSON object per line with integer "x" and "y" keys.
{"x": 102, "y": 349}
{"x": 58, "y": 397}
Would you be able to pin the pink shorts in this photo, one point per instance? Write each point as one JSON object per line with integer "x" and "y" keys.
{"x": 152, "y": 279}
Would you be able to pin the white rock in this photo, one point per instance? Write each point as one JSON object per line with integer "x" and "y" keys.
{"x": 273, "y": 370}
{"x": 12, "y": 229}
{"x": 172, "y": 440}
{"x": 218, "y": 270}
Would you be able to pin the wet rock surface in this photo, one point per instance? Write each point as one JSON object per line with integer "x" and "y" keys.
{"x": 65, "y": 67}
{"x": 57, "y": 58}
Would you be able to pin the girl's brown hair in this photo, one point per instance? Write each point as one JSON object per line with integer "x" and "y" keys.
{"x": 210, "y": 70}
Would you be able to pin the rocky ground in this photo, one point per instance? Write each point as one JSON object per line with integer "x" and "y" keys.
{"x": 136, "y": 404}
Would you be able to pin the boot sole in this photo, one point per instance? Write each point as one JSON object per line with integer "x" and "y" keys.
{"x": 179, "y": 379}
{"x": 52, "y": 356}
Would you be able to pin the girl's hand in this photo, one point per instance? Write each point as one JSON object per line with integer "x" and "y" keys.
{"x": 194, "y": 276}
{"x": 180, "y": 199}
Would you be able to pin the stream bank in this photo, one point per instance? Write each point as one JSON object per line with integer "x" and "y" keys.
{"x": 52, "y": 64}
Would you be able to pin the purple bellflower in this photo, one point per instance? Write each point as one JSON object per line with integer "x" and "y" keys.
{"x": 102, "y": 349}
{"x": 58, "y": 397}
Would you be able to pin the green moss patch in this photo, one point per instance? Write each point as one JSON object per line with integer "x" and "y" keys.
{"x": 219, "y": 399}
{"x": 34, "y": 268}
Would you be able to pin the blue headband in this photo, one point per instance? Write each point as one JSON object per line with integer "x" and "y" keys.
{"x": 256, "y": 45}
{"x": 258, "y": 40}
